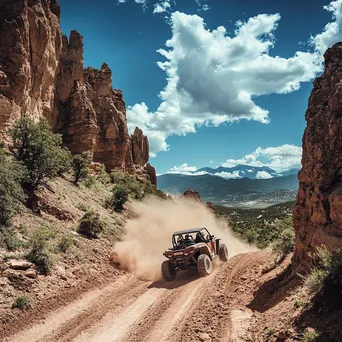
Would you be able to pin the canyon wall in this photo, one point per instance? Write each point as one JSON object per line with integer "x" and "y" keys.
{"x": 318, "y": 208}
{"x": 42, "y": 74}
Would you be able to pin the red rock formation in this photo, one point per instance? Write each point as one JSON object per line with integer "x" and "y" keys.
{"x": 30, "y": 48}
{"x": 151, "y": 173}
{"x": 42, "y": 74}
{"x": 93, "y": 114}
{"x": 192, "y": 194}
{"x": 195, "y": 196}
{"x": 140, "y": 147}
{"x": 318, "y": 209}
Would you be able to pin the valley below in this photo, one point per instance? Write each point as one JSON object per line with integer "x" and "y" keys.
{"x": 241, "y": 193}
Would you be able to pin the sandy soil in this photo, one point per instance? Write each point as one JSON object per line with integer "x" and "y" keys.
{"x": 189, "y": 309}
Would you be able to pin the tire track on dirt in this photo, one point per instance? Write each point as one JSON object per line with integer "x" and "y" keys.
{"x": 168, "y": 311}
{"x": 188, "y": 309}
{"x": 114, "y": 303}
{"x": 72, "y": 318}
{"x": 113, "y": 327}
{"x": 210, "y": 316}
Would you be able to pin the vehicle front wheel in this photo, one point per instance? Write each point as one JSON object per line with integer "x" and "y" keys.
{"x": 223, "y": 252}
{"x": 204, "y": 265}
{"x": 168, "y": 271}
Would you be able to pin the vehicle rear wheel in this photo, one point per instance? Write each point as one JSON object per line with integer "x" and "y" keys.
{"x": 204, "y": 265}
{"x": 168, "y": 271}
{"x": 223, "y": 252}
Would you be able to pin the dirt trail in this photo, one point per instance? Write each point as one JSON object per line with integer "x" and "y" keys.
{"x": 189, "y": 309}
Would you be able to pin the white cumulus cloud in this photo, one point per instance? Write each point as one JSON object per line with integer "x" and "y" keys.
{"x": 332, "y": 32}
{"x": 228, "y": 175}
{"x": 214, "y": 76}
{"x": 183, "y": 168}
{"x": 279, "y": 158}
{"x": 202, "y": 6}
{"x": 162, "y": 6}
{"x": 263, "y": 175}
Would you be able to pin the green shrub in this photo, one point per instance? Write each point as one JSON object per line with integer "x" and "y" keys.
{"x": 11, "y": 192}
{"x": 310, "y": 335}
{"x": 65, "y": 243}
{"x": 327, "y": 272}
{"x": 42, "y": 260}
{"x": 315, "y": 280}
{"x": 304, "y": 303}
{"x": 270, "y": 332}
{"x": 284, "y": 244}
{"x": 39, "y": 150}
{"x": 91, "y": 225}
{"x": 103, "y": 175}
{"x": 39, "y": 254}
{"x": 137, "y": 188}
{"x": 120, "y": 196}
{"x": 8, "y": 239}
{"x": 22, "y": 303}
{"x": 80, "y": 164}
{"x": 66, "y": 159}
{"x": 90, "y": 182}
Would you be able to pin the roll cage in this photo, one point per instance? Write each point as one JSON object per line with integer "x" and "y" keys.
{"x": 179, "y": 238}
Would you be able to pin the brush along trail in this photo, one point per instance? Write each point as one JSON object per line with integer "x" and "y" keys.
{"x": 189, "y": 309}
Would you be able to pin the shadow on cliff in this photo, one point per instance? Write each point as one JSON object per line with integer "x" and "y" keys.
{"x": 325, "y": 314}
{"x": 274, "y": 290}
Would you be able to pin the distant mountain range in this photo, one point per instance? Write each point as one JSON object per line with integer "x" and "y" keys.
{"x": 244, "y": 171}
{"x": 256, "y": 189}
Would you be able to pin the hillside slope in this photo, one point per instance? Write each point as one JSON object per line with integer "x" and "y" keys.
{"x": 79, "y": 263}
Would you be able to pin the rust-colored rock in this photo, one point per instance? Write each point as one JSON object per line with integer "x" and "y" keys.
{"x": 19, "y": 264}
{"x": 30, "y": 48}
{"x": 192, "y": 194}
{"x": 318, "y": 208}
{"x": 42, "y": 74}
{"x": 195, "y": 196}
{"x": 93, "y": 114}
{"x": 151, "y": 173}
{"x": 140, "y": 147}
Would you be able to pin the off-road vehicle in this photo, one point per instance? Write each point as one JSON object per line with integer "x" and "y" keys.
{"x": 193, "y": 249}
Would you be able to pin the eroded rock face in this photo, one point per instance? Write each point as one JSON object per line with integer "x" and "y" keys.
{"x": 140, "y": 147}
{"x": 42, "y": 74}
{"x": 151, "y": 173}
{"x": 30, "y": 48}
{"x": 195, "y": 196}
{"x": 318, "y": 208}
{"x": 192, "y": 194}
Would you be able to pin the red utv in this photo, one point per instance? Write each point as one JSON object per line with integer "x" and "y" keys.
{"x": 193, "y": 249}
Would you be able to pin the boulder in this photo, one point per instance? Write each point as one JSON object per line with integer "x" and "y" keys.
{"x": 17, "y": 264}
{"x": 31, "y": 273}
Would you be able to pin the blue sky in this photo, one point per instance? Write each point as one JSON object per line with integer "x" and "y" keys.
{"x": 233, "y": 94}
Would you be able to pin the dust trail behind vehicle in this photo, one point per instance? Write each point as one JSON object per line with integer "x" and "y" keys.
{"x": 149, "y": 235}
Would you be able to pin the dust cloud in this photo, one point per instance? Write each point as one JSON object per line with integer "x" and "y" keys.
{"x": 149, "y": 235}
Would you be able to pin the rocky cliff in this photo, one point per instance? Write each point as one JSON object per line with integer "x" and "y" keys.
{"x": 318, "y": 209}
{"x": 42, "y": 74}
